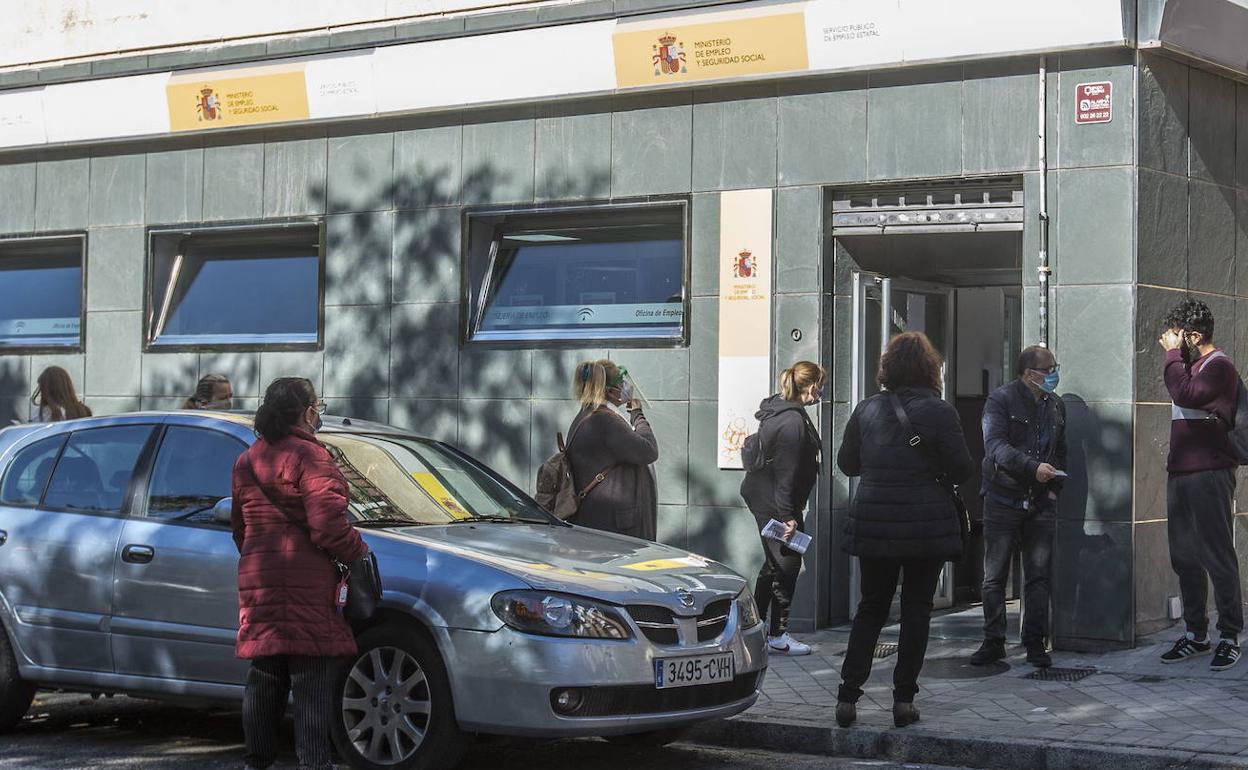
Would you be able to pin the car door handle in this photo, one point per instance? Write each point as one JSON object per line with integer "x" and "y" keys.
{"x": 137, "y": 554}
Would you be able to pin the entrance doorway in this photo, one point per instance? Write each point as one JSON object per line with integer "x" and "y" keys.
{"x": 946, "y": 263}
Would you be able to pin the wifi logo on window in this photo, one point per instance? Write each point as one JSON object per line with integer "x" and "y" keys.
{"x": 585, "y": 313}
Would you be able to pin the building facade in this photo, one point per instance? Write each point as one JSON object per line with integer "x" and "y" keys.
{"x": 385, "y": 214}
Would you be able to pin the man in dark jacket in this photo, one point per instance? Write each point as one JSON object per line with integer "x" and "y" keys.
{"x": 1024, "y": 460}
{"x": 1203, "y": 385}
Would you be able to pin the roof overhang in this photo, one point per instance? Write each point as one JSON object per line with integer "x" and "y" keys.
{"x": 1214, "y": 32}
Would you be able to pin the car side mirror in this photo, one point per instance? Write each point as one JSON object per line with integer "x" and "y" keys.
{"x": 222, "y": 512}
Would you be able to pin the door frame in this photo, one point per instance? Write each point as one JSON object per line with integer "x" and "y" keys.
{"x": 945, "y": 588}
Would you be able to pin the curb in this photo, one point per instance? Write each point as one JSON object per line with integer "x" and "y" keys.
{"x": 914, "y": 745}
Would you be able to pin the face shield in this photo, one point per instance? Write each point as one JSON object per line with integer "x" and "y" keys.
{"x": 627, "y": 387}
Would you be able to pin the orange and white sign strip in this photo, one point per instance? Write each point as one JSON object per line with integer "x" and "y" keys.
{"x": 745, "y": 267}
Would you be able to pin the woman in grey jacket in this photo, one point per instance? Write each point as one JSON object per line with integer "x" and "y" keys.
{"x": 612, "y": 453}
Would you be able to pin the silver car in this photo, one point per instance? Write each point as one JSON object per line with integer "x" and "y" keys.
{"x": 118, "y": 575}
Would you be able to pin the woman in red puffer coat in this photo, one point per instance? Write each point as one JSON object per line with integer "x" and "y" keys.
{"x": 290, "y": 518}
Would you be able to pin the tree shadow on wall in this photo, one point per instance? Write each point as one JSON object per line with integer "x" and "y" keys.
{"x": 1092, "y": 564}
{"x": 394, "y": 341}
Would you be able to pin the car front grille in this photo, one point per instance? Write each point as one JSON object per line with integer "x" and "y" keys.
{"x": 661, "y": 626}
{"x": 714, "y": 620}
{"x": 646, "y": 699}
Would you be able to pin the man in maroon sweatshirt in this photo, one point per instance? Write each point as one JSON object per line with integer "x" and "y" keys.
{"x": 1203, "y": 385}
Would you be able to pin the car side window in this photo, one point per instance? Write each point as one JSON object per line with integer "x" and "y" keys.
{"x": 28, "y": 474}
{"x": 95, "y": 469}
{"x": 192, "y": 473}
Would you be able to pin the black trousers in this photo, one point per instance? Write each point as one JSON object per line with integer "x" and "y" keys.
{"x": 879, "y": 582}
{"x": 1005, "y": 530}
{"x": 777, "y": 580}
{"x": 269, "y": 685}
{"x": 1202, "y": 547}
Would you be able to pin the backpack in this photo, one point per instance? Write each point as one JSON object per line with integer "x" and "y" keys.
{"x": 1237, "y": 429}
{"x": 556, "y": 492}
{"x": 753, "y": 456}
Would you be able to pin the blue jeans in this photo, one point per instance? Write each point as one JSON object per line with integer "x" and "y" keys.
{"x": 1008, "y": 529}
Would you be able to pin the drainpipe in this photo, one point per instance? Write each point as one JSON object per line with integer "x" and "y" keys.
{"x": 1042, "y": 268}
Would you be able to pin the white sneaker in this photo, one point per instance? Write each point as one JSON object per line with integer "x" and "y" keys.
{"x": 787, "y": 645}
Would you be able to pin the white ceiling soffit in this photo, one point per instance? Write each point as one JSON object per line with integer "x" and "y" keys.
{"x": 1214, "y": 31}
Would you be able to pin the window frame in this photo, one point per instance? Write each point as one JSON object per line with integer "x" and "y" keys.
{"x": 476, "y": 270}
{"x": 150, "y": 343}
{"x": 80, "y": 236}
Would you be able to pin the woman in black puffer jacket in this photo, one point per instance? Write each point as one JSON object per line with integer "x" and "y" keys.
{"x": 901, "y": 520}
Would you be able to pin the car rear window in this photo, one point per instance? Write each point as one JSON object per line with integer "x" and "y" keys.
{"x": 29, "y": 472}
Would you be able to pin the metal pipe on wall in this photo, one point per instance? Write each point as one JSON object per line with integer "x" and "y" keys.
{"x": 1042, "y": 269}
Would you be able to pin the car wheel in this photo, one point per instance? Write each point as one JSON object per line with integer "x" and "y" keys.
{"x": 396, "y": 707}
{"x": 652, "y": 739}
{"x": 15, "y": 694}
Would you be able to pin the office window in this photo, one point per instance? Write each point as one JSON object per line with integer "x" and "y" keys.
{"x": 41, "y": 293}
{"x": 232, "y": 287}
{"x": 600, "y": 273}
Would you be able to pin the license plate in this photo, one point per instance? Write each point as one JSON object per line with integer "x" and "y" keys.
{"x": 694, "y": 670}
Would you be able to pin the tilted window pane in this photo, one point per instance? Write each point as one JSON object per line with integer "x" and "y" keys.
{"x": 95, "y": 469}
{"x": 238, "y": 288}
{"x": 193, "y": 472}
{"x": 605, "y": 274}
{"x": 41, "y": 293}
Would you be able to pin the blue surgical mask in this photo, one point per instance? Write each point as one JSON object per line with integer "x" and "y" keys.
{"x": 319, "y": 424}
{"x": 1050, "y": 382}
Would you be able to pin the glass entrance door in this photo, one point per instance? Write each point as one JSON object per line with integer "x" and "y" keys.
{"x": 882, "y": 308}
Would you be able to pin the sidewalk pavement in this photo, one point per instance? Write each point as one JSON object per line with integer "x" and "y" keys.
{"x": 1129, "y": 711}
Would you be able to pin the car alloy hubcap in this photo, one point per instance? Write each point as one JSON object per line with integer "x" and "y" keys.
{"x": 386, "y": 705}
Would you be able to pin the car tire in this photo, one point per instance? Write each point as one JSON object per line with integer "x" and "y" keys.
{"x": 15, "y": 694}
{"x": 395, "y": 693}
{"x": 651, "y": 739}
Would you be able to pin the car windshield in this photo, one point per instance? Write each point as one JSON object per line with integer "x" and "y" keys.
{"x": 397, "y": 480}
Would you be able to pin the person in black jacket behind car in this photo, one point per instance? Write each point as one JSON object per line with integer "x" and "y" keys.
{"x": 780, "y": 490}
{"x": 1024, "y": 451}
{"x": 902, "y": 521}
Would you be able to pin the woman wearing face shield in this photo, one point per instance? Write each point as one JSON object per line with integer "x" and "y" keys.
{"x": 610, "y": 455}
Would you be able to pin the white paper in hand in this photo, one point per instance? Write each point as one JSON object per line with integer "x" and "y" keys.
{"x": 774, "y": 530}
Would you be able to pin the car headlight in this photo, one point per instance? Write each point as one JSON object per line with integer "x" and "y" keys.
{"x": 549, "y": 614}
{"x": 747, "y": 610}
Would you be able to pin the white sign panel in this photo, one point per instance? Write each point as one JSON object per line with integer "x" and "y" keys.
{"x": 505, "y": 67}
{"x": 21, "y": 118}
{"x": 842, "y": 34}
{"x": 341, "y": 86}
{"x": 101, "y": 109}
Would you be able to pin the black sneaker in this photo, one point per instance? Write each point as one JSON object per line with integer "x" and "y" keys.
{"x": 1185, "y": 648}
{"x": 1226, "y": 656}
{"x": 1037, "y": 655}
{"x": 990, "y": 651}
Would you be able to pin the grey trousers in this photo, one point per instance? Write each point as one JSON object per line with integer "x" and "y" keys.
{"x": 1202, "y": 548}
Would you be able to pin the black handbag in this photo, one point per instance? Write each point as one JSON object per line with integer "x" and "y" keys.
{"x": 361, "y": 577}
{"x": 916, "y": 441}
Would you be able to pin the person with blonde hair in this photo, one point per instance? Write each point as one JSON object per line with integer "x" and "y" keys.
{"x": 780, "y": 489}
{"x": 213, "y": 391}
{"x": 55, "y": 399}
{"x": 610, "y": 455}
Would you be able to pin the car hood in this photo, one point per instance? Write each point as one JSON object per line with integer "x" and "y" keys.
{"x": 586, "y": 562}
